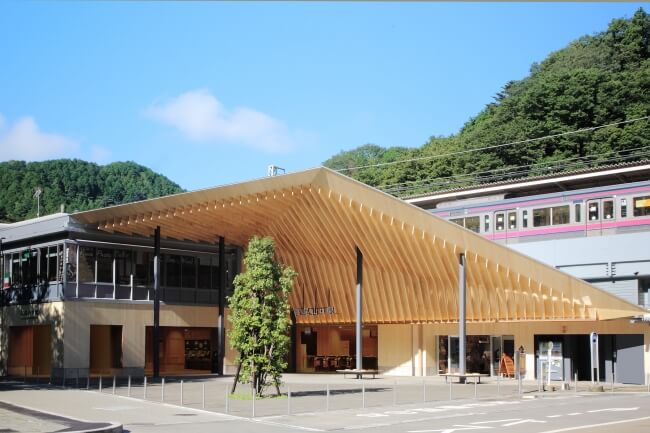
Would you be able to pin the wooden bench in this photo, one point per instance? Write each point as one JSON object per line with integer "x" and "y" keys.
{"x": 359, "y": 373}
{"x": 462, "y": 378}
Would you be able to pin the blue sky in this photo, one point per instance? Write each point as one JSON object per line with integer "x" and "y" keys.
{"x": 211, "y": 93}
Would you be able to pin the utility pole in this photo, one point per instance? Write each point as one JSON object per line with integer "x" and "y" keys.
{"x": 37, "y": 194}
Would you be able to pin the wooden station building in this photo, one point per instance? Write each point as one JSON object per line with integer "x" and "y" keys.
{"x": 79, "y": 289}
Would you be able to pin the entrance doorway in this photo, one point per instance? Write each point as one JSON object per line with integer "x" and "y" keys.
{"x": 329, "y": 348}
{"x": 105, "y": 348}
{"x": 183, "y": 350}
{"x": 30, "y": 350}
{"x": 477, "y": 351}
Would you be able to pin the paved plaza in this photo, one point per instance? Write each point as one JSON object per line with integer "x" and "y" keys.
{"x": 405, "y": 404}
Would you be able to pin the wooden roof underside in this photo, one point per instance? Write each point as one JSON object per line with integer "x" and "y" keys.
{"x": 317, "y": 217}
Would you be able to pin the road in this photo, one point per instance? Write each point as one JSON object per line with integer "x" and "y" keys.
{"x": 551, "y": 413}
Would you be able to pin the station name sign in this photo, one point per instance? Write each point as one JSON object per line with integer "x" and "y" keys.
{"x": 314, "y": 311}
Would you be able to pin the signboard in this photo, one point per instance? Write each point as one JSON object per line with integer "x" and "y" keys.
{"x": 314, "y": 311}
{"x": 595, "y": 362}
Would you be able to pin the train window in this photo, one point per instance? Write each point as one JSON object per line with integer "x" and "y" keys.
{"x": 524, "y": 218}
{"x": 593, "y": 211}
{"x": 473, "y": 223}
{"x": 642, "y": 206}
{"x": 458, "y": 221}
{"x": 512, "y": 220}
{"x": 541, "y": 217}
{"x": 578, "y": 212}
{"x": 561, "y": 215}
{"x": 500, "y": 223}
{"x": 623, "y": 208}
{"x": 486, "y": 223}
{"x": 608, "y": 209}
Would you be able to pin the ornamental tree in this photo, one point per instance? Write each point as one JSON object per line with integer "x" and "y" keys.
{"x": 260, "y": 316}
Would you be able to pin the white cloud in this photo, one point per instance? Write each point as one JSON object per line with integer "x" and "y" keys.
{"x": 24, "y": 141}
{"x": 201, "y": 117}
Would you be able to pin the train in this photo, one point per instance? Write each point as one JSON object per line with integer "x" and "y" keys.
{"x": 595, "y": 211}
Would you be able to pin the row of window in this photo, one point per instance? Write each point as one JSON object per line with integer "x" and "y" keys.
{"x": 109, "y": 266}
{"x": 603, "y": 209}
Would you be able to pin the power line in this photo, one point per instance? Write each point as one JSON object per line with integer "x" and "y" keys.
{"x": 496, "y": 146}
{"x": 550, "y": 164}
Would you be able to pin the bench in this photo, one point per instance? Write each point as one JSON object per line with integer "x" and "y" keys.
{"x": 359, "y": 373}
{"x": 462, "y": 378}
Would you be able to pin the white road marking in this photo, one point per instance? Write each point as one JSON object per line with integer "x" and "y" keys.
{"x": 614, "y": 409}
{"x": 456, "y": 427}
{"x": 596, "y": 425}
{"x": 574, "y": 413}
{"x": 523, "y": 421}
{"x": 495, "y": 421}
{"x": 553, "y": 416}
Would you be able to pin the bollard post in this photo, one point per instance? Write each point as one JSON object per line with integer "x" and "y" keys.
{"x": 498, "y": 384}
{"x": 88, "y": 380}
{"x": 203, "y": 395}
{"x": 363, "y": 394}
{"x": 647, "y": 380}
{"x": 254, "y": 394}
{"x": 327, "y": 397}
{"x": 144, "y": 394}
{"x": 424, "y": 391}
{"x": 288, "y": 399}
{"x": 450, "y": 392}
{"x": 63, "y": 384}
{"x": 575, "y": 376}
{"x": 475, "y": 389}
{"x": 113, "y": 384}
{"x": 128, "y": 390}
{"x": 100, "y": 383}
{"x": 162, "y": 389}
{"x": 395, "y": 393}
{"x": 182, "y": 394}
{"x": 227, "y": 400}
{"x": 612, "y": 388}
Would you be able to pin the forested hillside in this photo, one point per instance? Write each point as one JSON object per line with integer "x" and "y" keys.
{"x": 595, "y": 80}
{"x": 79, "y": 185}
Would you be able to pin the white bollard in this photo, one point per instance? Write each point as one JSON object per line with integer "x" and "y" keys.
{"x": 288, "y": 399}
{"x": 498, "y": 384}
{"x": 575, "y": 376}
{"x": 363, "y": 394}
{"x": 100, "y": 383}
{"x": 182, "y": 393}
{"x": 113, "y": 385}
{"x": 162, "y": 389}
{"x": 144, "y": 394}
{"x": 450, "y": 391}
{"x": 128, "y": 389}
{"x": 475, "y": 389}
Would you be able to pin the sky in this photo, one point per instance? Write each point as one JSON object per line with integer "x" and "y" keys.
{"x": 210, "y": 93}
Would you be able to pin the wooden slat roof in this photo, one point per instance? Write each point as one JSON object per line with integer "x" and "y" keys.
{"x": 318, "y": 216}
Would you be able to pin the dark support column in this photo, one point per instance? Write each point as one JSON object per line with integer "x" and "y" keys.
{"x": 359, "y": 319}
{"x": 156, "y": 302}
{"x": 222, "y": 306}
{"x": 461, "y": 315}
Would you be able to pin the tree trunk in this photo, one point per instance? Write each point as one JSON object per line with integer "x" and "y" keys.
{"x": 234, "y": 384}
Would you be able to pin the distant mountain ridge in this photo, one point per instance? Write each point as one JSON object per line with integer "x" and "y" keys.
{"x": 76, "y": 184}
{"x": 596, "y": 80}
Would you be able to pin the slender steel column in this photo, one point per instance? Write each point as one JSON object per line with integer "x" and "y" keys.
{"x": 461, "y": 315}
{"x": 359, "y": 342}
{"x": 156, "y": 302}
{"x": 222, "y": 305}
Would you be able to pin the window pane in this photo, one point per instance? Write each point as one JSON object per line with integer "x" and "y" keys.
{"x": 30, "y": 267}
{"x": 143, "y": 267}
{"x": 71, "y": 258}
{"x": 593, "y": 211}
{"x": 512, "y": 220}
{"x": 541, "y": 217}
{"x": 623, "y": 208}
{"x": 204, "y": 272}
{"x": 524, "y": 218}
{"x": 473, "y": 224}
{"x": 458, "y": 221}
{"x": 86, "y": 265}
{"x": 486, "y": 223}
{"x": 641, "y": 206}
{"x": 42, "y": 263}
{"x": 123, "y": 267}
{"x": 52, "y": 263}
{"x": 578, "y": 212}
{"x": 173, "y": 264}
{"x": 189, "y": 272}
{"x": 561, "y": 215}
{"x": 104, "y": 265}
{"x": 500, "y": 221}
{"x": 608, "y": 209}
